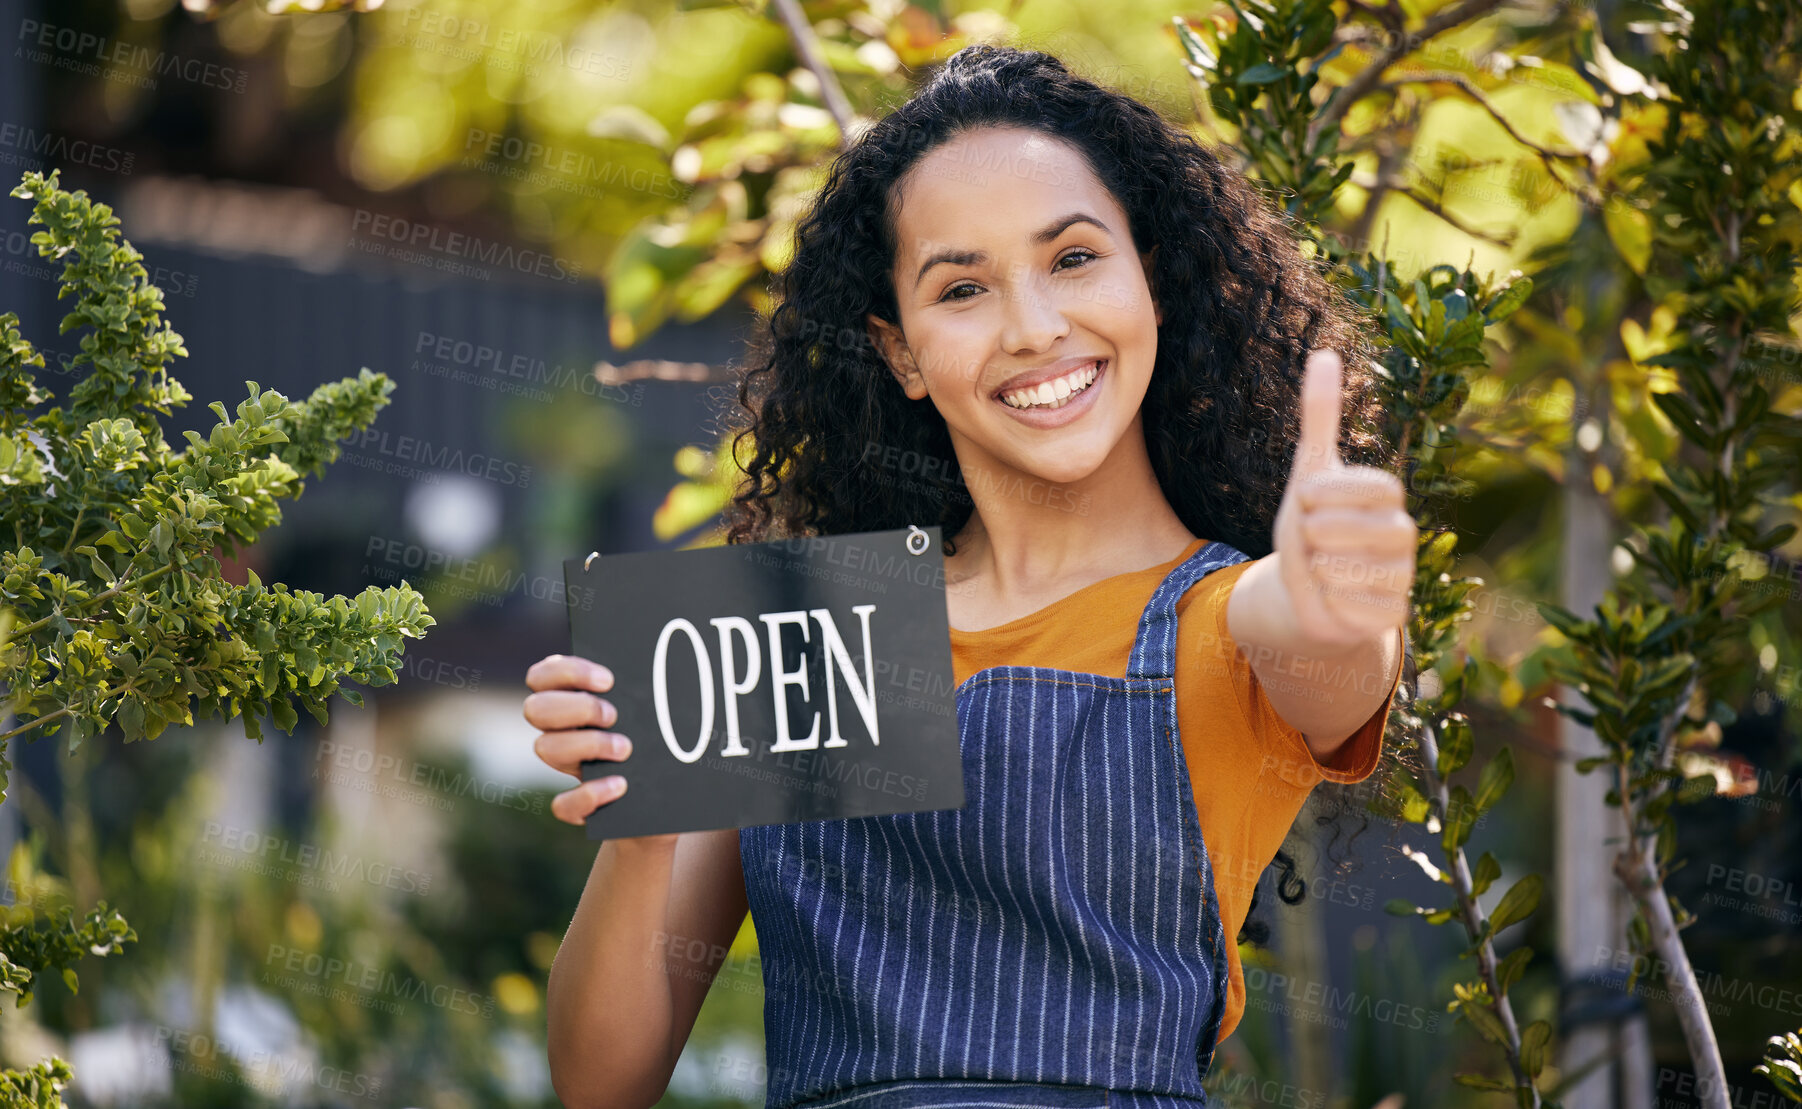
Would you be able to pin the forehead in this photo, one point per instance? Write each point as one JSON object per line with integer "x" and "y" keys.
{"x": 995, "y": 186}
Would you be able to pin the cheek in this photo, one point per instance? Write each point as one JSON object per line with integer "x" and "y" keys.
{"x": 951, "y": 353}
{"x": 1124, "y": 298}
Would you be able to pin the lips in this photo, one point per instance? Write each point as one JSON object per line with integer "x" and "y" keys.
{"x": 1065, "y": 411}
{"x": 1060, "y": 368}
{"x": 1053, "y": 389}
{"x": 1056, "y": 393}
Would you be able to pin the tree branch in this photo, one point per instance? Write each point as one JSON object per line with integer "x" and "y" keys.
{"x": 1399, "y": 45}
{"x": 1637, "y": 868}
{"x": 1472, "y": 913}
{"x": 1438, "y": 209}
{"x": 807, "y": 45}
{"x": 1482, "y": 99}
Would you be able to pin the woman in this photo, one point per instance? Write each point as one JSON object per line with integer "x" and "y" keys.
{"x": 1174, "y": 609}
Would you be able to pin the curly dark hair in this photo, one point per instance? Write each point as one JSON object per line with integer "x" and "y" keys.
{"x": 1242, "y": 307}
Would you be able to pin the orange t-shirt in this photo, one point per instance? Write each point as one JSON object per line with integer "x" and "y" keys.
{"x": 1249, "y": 769}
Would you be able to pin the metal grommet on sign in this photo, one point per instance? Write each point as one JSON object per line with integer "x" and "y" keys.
{"x": 913, "y": 534}
{"x": 592, "y": 555}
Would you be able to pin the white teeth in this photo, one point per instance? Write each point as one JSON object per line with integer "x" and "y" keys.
{"x": 1054, "y": 393}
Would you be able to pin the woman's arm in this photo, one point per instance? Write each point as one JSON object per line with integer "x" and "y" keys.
{"x": 1324, "y": 691}
{"x": 628, "y": 980}
{"x": 1320, "y": 616}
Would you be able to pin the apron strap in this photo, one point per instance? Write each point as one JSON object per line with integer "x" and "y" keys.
{"x": 1154, "y": 649}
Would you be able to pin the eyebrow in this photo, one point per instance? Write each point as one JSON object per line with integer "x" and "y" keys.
{"x": 1044, "y": 235}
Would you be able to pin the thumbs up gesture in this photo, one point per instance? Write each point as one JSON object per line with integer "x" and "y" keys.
{"x": 1344, "y": 541}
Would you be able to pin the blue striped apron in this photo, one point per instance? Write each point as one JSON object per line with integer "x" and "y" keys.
{"x": 1054, "y": 942}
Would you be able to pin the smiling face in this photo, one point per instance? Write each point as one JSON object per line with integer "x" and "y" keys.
{"x": 1025, "y": 312}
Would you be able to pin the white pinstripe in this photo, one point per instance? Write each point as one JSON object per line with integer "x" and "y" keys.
{"x": 1004, "y": 817}
{"x": 882, "y": 955}
{"x": 977, "y": 816}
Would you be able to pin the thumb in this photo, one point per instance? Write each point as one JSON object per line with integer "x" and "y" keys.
{"x": 1317, "y": 447}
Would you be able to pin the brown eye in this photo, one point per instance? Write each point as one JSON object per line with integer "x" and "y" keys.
{"x": 946, "y": 295}
{"x": 1087, "y": 256}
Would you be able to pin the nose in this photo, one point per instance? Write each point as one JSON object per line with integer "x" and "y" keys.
{"x": 1032, "y": 319}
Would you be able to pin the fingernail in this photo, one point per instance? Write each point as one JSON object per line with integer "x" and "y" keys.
{"x": 614, "y": 784}
{"x": 602, "y": 678}
{"x": 622, "y": 747}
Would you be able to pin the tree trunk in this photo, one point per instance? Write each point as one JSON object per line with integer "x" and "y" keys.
{"x": 1591, "y": 923}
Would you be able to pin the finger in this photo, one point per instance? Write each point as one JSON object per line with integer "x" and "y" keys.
{"x": 573, "y": 806}
{"x": 1369, "y": 612}
{"x": 1367, "y": 582}
{"x": 568, "y": 672}
{"x": 1317, "y": 447}
{"x": 566, "y": 751}
{"x": 1349, "y": 487}
{"x": 1385, "y": 532}
{"x": 556, "y": 710}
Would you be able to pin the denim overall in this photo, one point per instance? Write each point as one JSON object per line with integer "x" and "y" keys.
{"x": 1054, "y": 942}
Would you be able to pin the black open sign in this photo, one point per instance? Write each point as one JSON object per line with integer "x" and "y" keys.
{"x": 766, "y": 683}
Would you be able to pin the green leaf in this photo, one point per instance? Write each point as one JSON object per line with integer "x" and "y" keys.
{"x": 1413, "y": 804}
{"x": 1479, "y": 1082}
{"x": 70, "y": 980}
{"x": 1631, "y": 232}
{"x": 1484, "y": 875}
{"x": 1460, "y": 817}
{"x": 1485, "y": 1021}
{"x": 1202, "y": 59}
{"x": 131, "y": 718}
{"x": 1509, "y": 970}
{"x": 1533, "y": 1040}
{"x": 1454, "y": 746}
{"x": 1683, "y": 415}
{"x": 1262, "y": 74}
{"x": 282, "y": 711}
{"x": 1565, "y": 621}
{"x": 1509, "y": 300}
{"x": 1518, "y": 903}
{"x": 1495, "y": 780}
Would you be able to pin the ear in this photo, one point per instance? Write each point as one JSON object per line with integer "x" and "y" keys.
{"x": 892, "y": 345}
{"x": 1149, "y": 261}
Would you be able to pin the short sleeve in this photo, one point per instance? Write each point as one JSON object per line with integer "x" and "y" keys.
{"x": 1357, "y": 759}
{"x": 1354, "y": 761}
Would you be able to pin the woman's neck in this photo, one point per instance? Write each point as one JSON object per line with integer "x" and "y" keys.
{"x": 1029, "y": 541}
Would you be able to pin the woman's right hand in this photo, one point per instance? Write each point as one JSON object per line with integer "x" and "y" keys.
{"x": 573, "y": 725}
